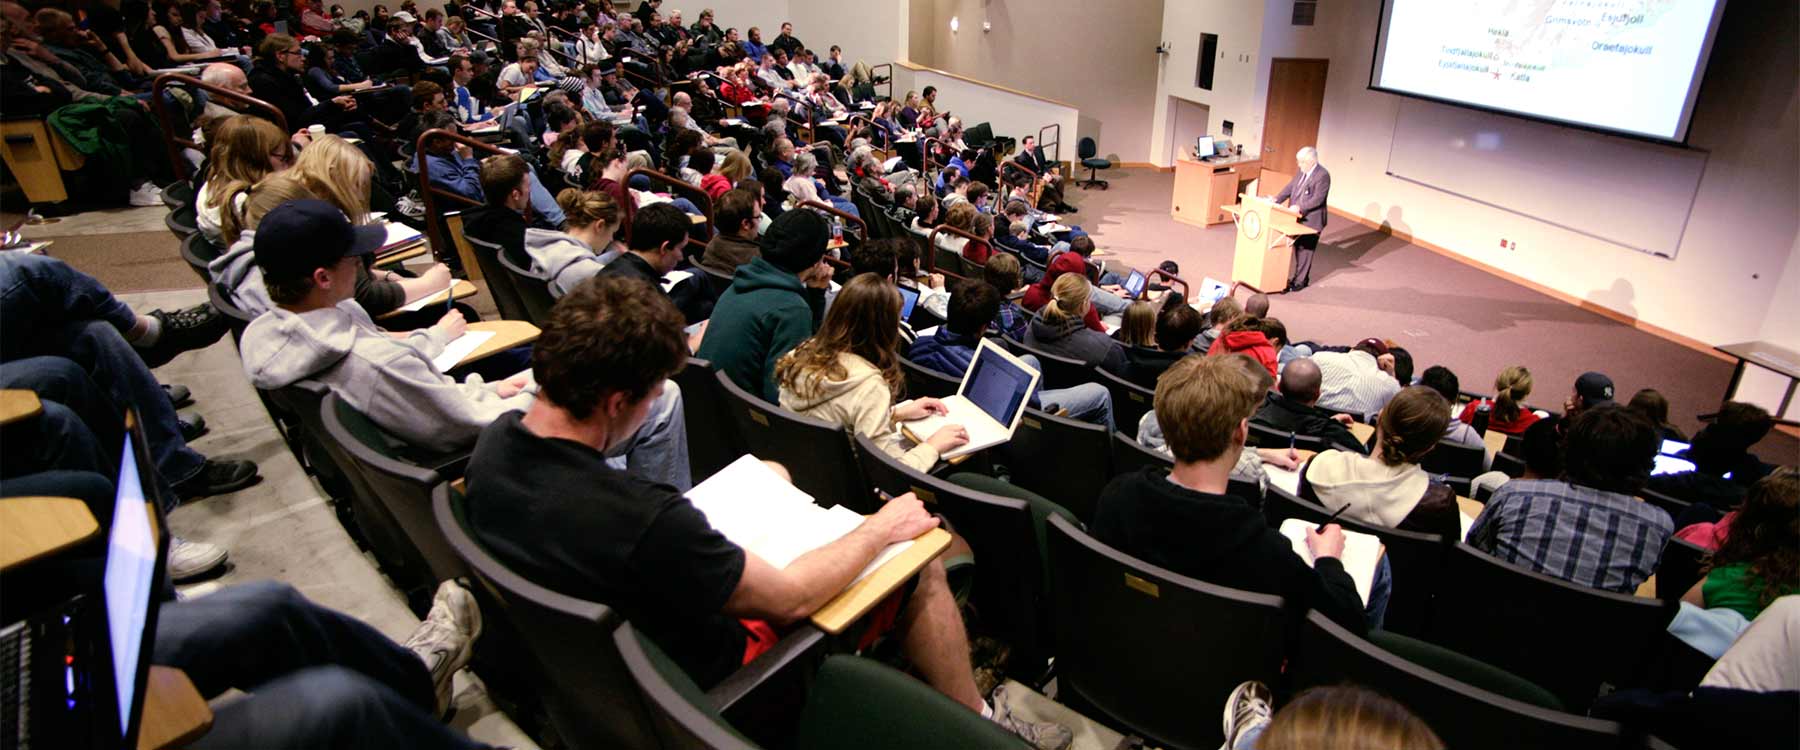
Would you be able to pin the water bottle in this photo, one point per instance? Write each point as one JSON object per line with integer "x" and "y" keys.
{"x": 1482, "y": 410}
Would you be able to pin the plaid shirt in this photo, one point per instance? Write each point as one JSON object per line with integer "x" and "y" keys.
{"x": 1011, "y": 321}
{"x": 1599, "y": 539}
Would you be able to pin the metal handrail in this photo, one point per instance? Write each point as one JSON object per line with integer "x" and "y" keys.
{"x": 925, "y": 154}
{"x": 429, "y": 193}
{"x": 1154, "y": 272}
{"x": 862, "y": 227}
{"x": 1057, "y": 129}
{"x": 699, "y": 198}
{"x": 874, "y": 131}
{"x": 889, "y": 83}
{"x": 176, "y": 140}
{"x": 931, "y": 243}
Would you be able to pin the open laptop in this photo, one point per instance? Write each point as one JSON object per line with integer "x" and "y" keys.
{"x": 1673, "y": 448}
{"x": 1211, "y": 290}
{"x": 908, "y": 298}
{"x": 989, "y": 403}
{"x": 74, "y": 676}
{"x": 1203, "y": 148}
{"x": 1135, "y": 283}
{"x": 1670, "y": 465}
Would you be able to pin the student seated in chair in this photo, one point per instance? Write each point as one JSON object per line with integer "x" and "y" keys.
{"x": 1059, "y": 330}
{"x": 1587, "y": 527}
{"x": 1291, "y": 408}
{"x": 1182, "y": 520}
{"x": 309, "y": 253}
{"x": 1718, "y": 449}
{"x": 1174, "y": 331}
{"x": 1439, "y": 378}
{"x": 849, "y": 374}
{"x": 1388, "y": 488}
{"x": 544, "y": 499}
{"x": 574, "y": 255}
{"x": 774, "y": 303}
{"x": 973, "y": 304}
{"x": 735, "y": 214}
{"x": 659, "y": 237}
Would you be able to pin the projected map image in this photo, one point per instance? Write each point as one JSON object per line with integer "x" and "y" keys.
{"x": 1618, "y": 64}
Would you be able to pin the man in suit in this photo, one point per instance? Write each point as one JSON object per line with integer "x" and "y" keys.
{"x": 1031, "y": 156}
{"x": 1306, "y": 195}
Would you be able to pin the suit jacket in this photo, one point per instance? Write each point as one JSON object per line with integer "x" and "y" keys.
{"x": 1309, "y": 199}
{"x": 1033, "y": 159}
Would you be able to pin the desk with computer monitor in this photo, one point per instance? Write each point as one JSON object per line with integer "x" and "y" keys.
{"x": 1208, "y": 178}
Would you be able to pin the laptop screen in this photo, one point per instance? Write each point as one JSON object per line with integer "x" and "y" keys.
{"x": 1212, "y": 290}
{"x": 1673, "y": 448}
{"x": 1671, "y": 465}
{"x": 1134, "y": 285}
{"x": 908, "y": 298}
{"x": 996, "y": 386}
{"x": 1203, "y": 147}
{"x": 130, "y": 575}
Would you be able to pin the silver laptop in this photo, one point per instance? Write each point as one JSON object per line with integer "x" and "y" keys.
{"x": 989, "y": 403}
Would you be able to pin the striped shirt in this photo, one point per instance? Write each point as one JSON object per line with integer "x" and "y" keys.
{"x": 1598, "y": 539}
{"x": 1353, "y": 382}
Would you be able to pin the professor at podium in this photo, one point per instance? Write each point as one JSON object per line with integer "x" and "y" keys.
{"x": 1306, "y": 195}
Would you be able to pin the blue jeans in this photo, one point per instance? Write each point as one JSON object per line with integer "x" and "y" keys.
{"x": 1380, "y": 590}
{"x": 543, "y": 204}
{"x": 53, "y": 309}
{"x": 314, "y": 677}
{"x": 658, "y": 451}
{"x": 1088, "y": 402}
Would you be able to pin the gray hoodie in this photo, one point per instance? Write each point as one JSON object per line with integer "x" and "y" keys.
{"x": 235, "y": 273}
{"x": 1070, "y": 337}
{"x": 561, "y": 258}
{"x": 392, "y": 381}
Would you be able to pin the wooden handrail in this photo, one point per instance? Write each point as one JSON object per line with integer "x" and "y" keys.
{"x": 1173, "y": 279}
{"x": 874, "y": 131}
{"x": 699, "y": 198}
{"x": 862, "y": 227}
{"x": 176, "y": 139}
{"x": 931, "y": 240}
{"x": 925, "y": 154}
{"x": 429, "y": 193}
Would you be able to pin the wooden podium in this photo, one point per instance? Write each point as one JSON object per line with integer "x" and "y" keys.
{"x": 1265, "y": 238}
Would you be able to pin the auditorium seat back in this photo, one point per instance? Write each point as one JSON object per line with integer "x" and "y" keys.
{"x": 1130, "y": 401}
{"x": 1679, "y": 568}
{"x": 713, "y": 441}
{"x": 499, "y": 283}
{"x": 1153, "y": 651}
{"x": 1485, "y": 709}
{"x": 1416, "y": 560}
{"x": 1455, "y": 460}
{"x": 198, "y": 251}
{"x": 816, "y": 454}
{"x": 1568, "y": 638}
{"x": 1263, "y": 436}
{"x": 1059, "y": 372}
{"x": 924, "y": 381}
{"x": 533, "y": 291}
{"x": 1059, "y": 458}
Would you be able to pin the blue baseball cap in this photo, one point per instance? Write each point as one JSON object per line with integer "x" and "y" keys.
{"x": 301, "y": 236}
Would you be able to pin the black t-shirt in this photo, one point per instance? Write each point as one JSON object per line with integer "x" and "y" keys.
{"x": 554, "y": 512}
{"x": 106, "y": 23}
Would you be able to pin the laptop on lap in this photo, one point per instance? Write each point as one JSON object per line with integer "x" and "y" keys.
{"x": 988, "y": 403}
{"x": 74, "y": 677}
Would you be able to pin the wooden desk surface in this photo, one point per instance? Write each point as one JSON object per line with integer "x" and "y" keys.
{"x": 1250, "y": 164}
{"x": 836, "y": 243}
{"x": 507, "y": 334}
{"x": 461, "y": 289}
{"x": 854, "y": 602}
{"x": 17, "y": 404}
{"x": 1764, "y": 354}
{"x": 406, "y": 253}
{"x": 1469, "y": 507}
{"x": 1496, "y": 442}
{"x": 35, "y": 527}
{"x": 1362, "y": 431}
{"x": 174, "y": 712}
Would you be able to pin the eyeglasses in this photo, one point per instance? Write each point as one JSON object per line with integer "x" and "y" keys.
{"x": 289, "y": 52}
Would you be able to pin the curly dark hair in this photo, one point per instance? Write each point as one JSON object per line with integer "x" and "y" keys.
{"x": 607, "y": 335}
{"x": 1766, "y": 535}
{"x": 864, "y": 320}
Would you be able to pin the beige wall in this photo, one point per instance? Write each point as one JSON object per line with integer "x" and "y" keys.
{"x": 1097, "y": 56}
{"x": 1233, "y": 95}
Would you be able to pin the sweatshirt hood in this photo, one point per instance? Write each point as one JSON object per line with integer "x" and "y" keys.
{"x": 760, "y": 274}
{"x": 1377, "y": 492}
{"x": 282, "y": 347}
{"x": 1238, "y": 341}
{"x": 238, "y": 262}
{"x": 815, "y": 392}
{"x": 1055, "y": 329}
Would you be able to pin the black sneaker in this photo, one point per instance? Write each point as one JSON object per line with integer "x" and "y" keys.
{"x": 196, "y": 327}
{"x": 179, "y": 395}
{"x": 192, "y": 427}
{"x": 218, "y": 478}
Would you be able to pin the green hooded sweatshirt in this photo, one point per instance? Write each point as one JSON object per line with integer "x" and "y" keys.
{"x": 765, "y": 313}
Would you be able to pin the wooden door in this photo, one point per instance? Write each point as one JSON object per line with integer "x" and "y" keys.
{"x": 1296, "y": 97}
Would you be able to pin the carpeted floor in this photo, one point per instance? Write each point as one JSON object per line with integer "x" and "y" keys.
{"x": 128, "y": 263}
{"x": 1444, "y": 312}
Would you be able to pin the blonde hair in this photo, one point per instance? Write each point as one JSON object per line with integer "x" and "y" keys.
{"x": 259, "y": 200}
{"x": 1346, "y": 718}
{"x": 338, "y": 174}
{"x": 1139, "y": 325}
{"x": 1071, "y": 293}
{"x": 736, "y": 166}
{"x": 586, "y": 207}
{"x": 1510, "y": 388}
{"x": 241, "y": 148}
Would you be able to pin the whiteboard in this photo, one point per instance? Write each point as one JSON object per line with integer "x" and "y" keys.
{"x": 1628, "y": 192}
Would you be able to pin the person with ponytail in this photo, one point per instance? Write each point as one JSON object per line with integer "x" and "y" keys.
{"x": 244, "y": 149}
{"x": 1508, "y": 413}
{"x": 1060, "y": 329}
{"x": 1389, "y": 488}
{"x": 568, "y": 257}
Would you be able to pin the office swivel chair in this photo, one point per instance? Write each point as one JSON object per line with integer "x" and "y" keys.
{"x": 1089, "y": 154}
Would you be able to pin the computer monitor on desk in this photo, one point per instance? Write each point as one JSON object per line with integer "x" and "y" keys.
{"x": 1203, "y": 148}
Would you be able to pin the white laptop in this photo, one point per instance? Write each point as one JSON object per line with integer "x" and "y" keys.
{"x": 989, "y": 403}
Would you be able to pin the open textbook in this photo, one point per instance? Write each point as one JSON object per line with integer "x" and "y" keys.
{"x": 1361, "y": 553}
{"x": 758, "y": 510}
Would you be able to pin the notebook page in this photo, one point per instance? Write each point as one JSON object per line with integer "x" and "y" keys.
{"x": 1361, "y": 553}
{"x": 757, "y": 510}
{"x": 463, "y": 346}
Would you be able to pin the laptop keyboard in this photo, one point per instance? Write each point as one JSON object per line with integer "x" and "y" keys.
{"x": 15, "y": 688}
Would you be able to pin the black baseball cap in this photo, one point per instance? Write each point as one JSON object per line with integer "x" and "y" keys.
{"x": 300, "y": 236}
{"x": 1594, "y": 388}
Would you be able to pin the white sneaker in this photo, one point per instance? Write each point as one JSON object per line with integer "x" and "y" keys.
{"x": 192, "y": 559}
{"x": 445, "y": 640}
{"x": 1043, "y": 735}
{"x": 147, "y": 194}
{"x": 1247, "y": 707}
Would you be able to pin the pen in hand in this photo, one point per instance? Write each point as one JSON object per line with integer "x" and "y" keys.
{"x": 1333, "y": 517}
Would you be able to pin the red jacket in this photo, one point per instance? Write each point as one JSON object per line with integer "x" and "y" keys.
{"x": 1038, "y": 295}
{"x": 715, "y": 185}
{"x": 977, "y": 251}
{"x": 1253, "y": 343}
